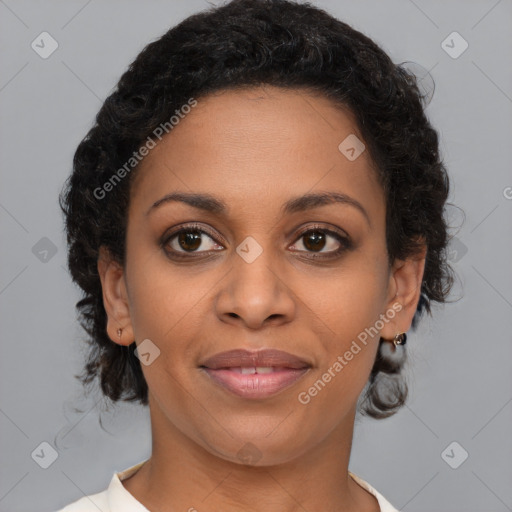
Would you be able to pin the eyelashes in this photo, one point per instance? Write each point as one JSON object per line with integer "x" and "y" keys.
{"x": 187, "y": 243}
{"x": 319, "y": 233}
{"x": 191, "y": 235}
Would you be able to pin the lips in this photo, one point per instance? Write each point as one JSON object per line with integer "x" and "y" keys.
{"x": 246, "y": 359}
{"x": 255, "y": 374}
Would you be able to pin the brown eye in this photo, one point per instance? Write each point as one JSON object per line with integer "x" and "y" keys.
{"x": 317, "y": 239}
{"x": 314, "y": 241}
{"x": 190, "y": 240}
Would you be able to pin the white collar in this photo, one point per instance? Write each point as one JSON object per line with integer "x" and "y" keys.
{"x": 119, "y": 498}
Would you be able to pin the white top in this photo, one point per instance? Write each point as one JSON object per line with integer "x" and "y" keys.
{"x": 117, "y": 499}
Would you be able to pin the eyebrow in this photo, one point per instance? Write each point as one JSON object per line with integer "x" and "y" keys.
{"x": 216, "y": 206}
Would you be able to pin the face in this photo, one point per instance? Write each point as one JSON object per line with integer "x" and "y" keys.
{"x": 253, "y": 268}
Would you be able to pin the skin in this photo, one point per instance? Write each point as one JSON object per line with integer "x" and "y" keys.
{"x": 255, "y": 149}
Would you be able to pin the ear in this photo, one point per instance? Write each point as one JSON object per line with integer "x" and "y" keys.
{"x": 115, "y": 298}
{"x": 405, "y": 281}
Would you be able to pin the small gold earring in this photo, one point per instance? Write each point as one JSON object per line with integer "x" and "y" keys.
{"x": 400, "y": 339}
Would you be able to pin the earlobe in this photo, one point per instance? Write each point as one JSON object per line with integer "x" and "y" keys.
{"x": 115, "y": 298}
{"x": 405, "y": 288}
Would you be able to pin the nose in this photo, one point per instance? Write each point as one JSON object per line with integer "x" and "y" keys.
{"x": 256, "y": 293}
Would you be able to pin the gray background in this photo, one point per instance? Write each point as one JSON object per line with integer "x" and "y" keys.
{"x": 460, "y": 359}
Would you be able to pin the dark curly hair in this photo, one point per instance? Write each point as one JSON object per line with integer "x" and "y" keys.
{"x": 240, "y": 44}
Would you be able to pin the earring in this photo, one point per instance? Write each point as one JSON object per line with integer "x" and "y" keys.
{"x": 119, "y": 332}
{"x": 400, "y": 339}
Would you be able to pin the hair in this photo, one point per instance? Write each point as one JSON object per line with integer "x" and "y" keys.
{"x": 247, "y": 43}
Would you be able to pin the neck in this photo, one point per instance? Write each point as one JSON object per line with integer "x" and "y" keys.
{"x": 183, "y": 475}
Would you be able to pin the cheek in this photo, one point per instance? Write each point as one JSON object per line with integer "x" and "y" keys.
{"x": 170, "y": 307}
{"x": 346, "y": 308}
{"x": 349, "y": 299}
{"x": 161, "y": 296}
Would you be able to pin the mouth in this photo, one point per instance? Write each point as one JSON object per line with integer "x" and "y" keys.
{"x": 255, "y": 374}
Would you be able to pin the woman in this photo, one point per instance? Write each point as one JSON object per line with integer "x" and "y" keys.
{"x": 256, "y": 221}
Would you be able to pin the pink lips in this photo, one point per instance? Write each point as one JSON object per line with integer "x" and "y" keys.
{"x": 255, "y": 374}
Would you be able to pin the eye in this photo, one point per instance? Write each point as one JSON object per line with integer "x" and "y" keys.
{"x": 193, "y": 239}
{"x": 190, "y": 239}
{"x": 316, "y": 239}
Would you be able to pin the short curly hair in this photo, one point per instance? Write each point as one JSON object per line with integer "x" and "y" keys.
{"x": 241, "y": 44}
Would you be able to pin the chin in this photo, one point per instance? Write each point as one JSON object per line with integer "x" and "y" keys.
{"x": 260, "y": 449}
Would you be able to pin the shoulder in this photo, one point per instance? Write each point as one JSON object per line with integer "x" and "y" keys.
{"x": 113, "y": 499}
{"x": 384, "y": 504}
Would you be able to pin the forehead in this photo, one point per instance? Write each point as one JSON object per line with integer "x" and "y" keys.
{"x": 263, "y": 143}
